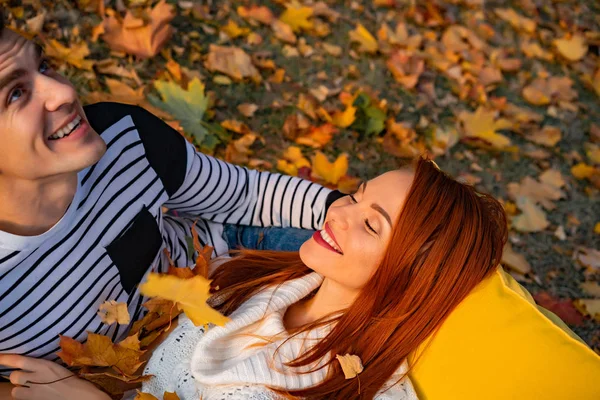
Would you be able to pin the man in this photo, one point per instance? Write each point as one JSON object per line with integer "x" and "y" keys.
{"x": 81, "y": 197}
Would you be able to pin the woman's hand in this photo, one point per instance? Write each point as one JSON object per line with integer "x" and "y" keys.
{"x": 45, "y": 380}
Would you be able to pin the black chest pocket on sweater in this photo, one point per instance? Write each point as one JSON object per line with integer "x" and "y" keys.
{"x": 134, "y": 251}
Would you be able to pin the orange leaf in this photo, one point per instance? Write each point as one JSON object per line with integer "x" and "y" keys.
{"x": 145, "y": 40}
{"x": 100, "y": 351}
{"x": 318, "y": 137}
{"x": 256, "y": 13}
{"x": 110, "y": 312}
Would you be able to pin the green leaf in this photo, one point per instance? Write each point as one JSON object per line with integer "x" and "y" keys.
{"x": 189, "y": 108}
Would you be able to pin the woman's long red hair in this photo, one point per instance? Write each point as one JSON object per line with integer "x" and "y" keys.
{"x": 447, "y": 239}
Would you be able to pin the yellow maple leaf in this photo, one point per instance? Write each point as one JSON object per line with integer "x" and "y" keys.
{"x": 233, "y": 30}
{"x": 110, "y": 312}
{"x": 597, "y": 228}
{"x": 330, "y": 172}
{"x": 583, "y": 171}
{"x": 573, "y": 48}
{"x": 189, "y": 294}
{"x": 481, "y": 126}
{"x": 351, "y": 365}
{"x": 363, "y": 37}
{"x": 292, "y": 161}
{"x": 518, "y": 21}
{"x": 344, "y": 119}
{"x": 100, "y": 351}
{"x": 74, "y": 54}
{"x": 297, "y": 17}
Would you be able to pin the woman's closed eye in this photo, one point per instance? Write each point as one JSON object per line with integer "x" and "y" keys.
{"x": 367, "y": 224}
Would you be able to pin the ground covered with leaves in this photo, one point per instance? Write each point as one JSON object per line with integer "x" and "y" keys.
{"x": 503, "y": 94}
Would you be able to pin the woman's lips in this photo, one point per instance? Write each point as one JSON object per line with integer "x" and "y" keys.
{"x": 317, "y": 237}
{"x": 332, "y": 236}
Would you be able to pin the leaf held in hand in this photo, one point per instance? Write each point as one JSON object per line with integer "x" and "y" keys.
{"x": 351, "y": 365}
{"x": 189, "y": 294}
{"x": 110, "y": 312}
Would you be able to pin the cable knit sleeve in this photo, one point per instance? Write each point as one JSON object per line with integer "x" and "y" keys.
{"x": 170, "y": 362}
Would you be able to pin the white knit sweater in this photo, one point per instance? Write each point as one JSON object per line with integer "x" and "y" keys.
{"x": 239, "y": 360}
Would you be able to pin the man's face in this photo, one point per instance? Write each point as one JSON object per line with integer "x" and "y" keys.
{"x": 36, "y": 106}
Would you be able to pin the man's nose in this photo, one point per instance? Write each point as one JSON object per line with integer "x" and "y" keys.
{"x": 56, "y": 92}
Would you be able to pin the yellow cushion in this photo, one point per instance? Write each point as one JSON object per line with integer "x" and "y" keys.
{"x": 498, "y": 344}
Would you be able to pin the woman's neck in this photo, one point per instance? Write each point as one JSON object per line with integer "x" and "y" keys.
{"x": 330, "y": 298}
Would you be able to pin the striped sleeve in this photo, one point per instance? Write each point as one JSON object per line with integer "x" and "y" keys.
{"x": 225, "y": 193}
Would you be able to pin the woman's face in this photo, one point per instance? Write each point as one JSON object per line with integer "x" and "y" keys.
{"x": 360, "y": 228}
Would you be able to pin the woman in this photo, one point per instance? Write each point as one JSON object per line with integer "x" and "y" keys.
{"x": 347, "y": 291}
{"x": 391, "y": 263}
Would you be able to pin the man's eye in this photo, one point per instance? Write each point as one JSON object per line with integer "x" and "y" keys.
{"x": 16, "y": 91}
{"x": 44, "y": 65}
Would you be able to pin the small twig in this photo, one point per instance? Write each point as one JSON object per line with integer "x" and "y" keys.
{"x": 47, "y": 383}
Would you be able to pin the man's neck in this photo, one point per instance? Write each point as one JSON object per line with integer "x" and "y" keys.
{"x": 30, "y": 208}
{"x": 331, "y": 297}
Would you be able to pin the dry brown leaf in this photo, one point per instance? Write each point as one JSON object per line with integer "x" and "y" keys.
{"x": 232, "y": 61}
{"x": 283, "y": 32}
{"x": 547, "y": 136}
{"x": 143, "y": 39}
{"x": 538, "y": 192}
{"x": 110, "y": 312}
{"x": 590, "y": 258}
{"x": 543, "y": 91}
{"x": 406, "y": 68}
{"x": 590, "y": 288}
{"x": 518, "y": 21}
{"x": 351, "y": 365}
{"x": 122, "y": 93}
{"x": 238, "y": 151}
{"x": 247, "y": 109}
{"x": 589, "y": 307}
{"x": 100, "y": 351}
{"x": 514, "y": 260}
{"x": 531, "y": 219}
{"x": 260, "y": 14}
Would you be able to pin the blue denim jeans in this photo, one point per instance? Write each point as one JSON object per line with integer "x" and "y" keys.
{"x": 269, "y": 238}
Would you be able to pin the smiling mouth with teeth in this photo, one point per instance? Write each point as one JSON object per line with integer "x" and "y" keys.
{"x": 66, "y": 130}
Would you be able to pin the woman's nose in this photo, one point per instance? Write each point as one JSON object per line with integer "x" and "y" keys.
{"x": 338, "y": 217}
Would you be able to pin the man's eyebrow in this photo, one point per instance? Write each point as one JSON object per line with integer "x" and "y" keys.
{"x": 376, "y": 206}
{"x": 19, "y": 73}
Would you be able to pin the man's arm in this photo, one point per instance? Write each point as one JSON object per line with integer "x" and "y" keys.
{"x": 206, "y": 187}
